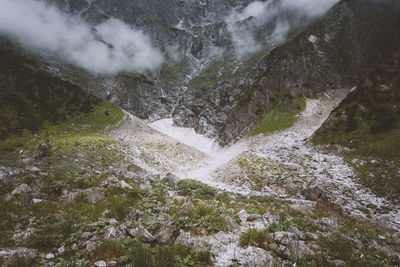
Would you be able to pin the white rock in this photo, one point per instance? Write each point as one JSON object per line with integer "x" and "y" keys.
{"x": 49, "y": 256}
{"x": 61, "y": 249}
{"x": 124, "y": 184}
{"x": 100, "y": 264}
{"x": 113, "y": 221}
{"x": 37, "y": 200}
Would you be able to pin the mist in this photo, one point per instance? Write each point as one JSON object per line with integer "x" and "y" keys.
{"x": 106, "y": 48}
{"x": 243, "y": 23}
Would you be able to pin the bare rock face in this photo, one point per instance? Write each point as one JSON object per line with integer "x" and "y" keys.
{"x": 318, "y": 59}
{"x": 7, "y": 255}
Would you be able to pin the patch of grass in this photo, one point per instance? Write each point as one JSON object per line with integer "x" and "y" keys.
{"x": 276, "y": 120}
{"x": 119, "y": 208}
{"x": 171, "y": 73}
{"x": 188, "y": 187}
{"x": 165, "y": 256}
{"x": 201, "y": 220}
{"x": 108, "y": 250}
{"x": 256, "y": 238}
{"x": 211, "y": 82}
{"x": 134, "y": 75}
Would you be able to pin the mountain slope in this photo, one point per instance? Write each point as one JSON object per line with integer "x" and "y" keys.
{"x": 336, "y": 51}
{"x": 29, "y": 96}
{"x": 368, "y": 122}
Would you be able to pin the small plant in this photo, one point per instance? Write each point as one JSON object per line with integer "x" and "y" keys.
{"x": 191, "y": 187}
{"x": 119, "y": 208}
{"x": 256, "y": 238}
{"x": 108, "y": 250}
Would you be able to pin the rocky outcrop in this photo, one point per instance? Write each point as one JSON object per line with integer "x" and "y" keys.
{"x": 336, "y": 51}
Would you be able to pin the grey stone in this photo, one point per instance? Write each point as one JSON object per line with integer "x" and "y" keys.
{"x": 113, "y": 234}
{"x": 136, "y": 214}
{"x": 187, "y": 206}
{"x": 86, "y": 235}
{"x": 9, "y": 254}
{"x": 171, "y": 178}
{"x": 135, "y": 229}
{"x": 20, "y": 190}
{"x": 313, "y": 193}
{"x": 297, "y": 232}
{"x": 329, "y": 222}
{"x": 230, "y": 221}
{"x": 167, "y": 234}
{"x": 355, "y": 243}
{"x": 49, "y": 256}
{"x": 337, "y": 263}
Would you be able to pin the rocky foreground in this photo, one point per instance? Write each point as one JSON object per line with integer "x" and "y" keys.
{"x": 126, "y": 194}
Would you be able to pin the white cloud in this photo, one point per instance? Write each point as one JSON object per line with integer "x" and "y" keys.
{"x": 259, "y": 13}
{"x": 106, "y": 48}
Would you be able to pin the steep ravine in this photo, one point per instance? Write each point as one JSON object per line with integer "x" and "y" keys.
{"x": 282, "y": 164}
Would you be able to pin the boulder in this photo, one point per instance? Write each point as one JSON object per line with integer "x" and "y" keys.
{"x": 313, "y": 193}
{"x": 100, "y": 264}
{"x": 188, "y": 206}
{"x": 337, "y": 263}
{"x": 167, "y": 234}
{"x": 135, "y": 229}
{"x": 113, "y": 234}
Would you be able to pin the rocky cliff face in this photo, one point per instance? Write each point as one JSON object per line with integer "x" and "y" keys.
{"x": 209, "y": 80}
{"x": 335, "y": 51}
{"x": 205, "y": 75}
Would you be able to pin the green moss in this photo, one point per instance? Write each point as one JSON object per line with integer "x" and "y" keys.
{"x": 276, "y": 120}
{"x": 134, "y": 75}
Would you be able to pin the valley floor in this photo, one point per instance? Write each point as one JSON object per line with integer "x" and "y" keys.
{"x": 156, "y": 195}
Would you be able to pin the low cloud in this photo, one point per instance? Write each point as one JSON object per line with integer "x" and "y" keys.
{"x": 109, "y": 47}
{"x": 243, "y": 23}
